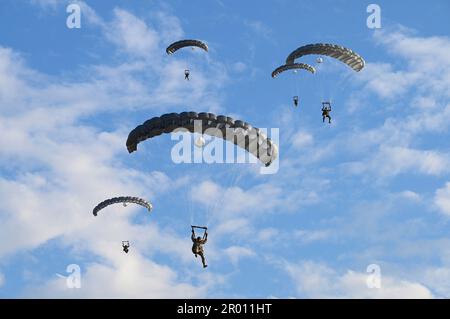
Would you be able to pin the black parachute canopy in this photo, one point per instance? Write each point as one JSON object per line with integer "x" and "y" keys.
{"x": 294, "y": 66}
{"x": 345, "y": 55}
{"x": 122, "y": 199}
{"x": 186, "y": 43}
{"x": 243, "y": 134}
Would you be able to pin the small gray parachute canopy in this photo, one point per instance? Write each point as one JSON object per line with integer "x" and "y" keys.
{"x": 122, "y": 199}
{"x": 238, "y": 132}
{"x": 293, "y": 66}
{"x": 186, "y": 43}
{"x": 347, "y": 56}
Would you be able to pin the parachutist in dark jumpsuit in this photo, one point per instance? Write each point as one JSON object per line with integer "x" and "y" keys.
{"x": 186, "y": 75}
{"x": 125, "y": 246}
{"x": 197, "y": 247}
{"x": 296, "y": 100}
{"x": 326, "y": 109}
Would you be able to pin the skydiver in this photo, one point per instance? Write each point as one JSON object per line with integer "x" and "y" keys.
{"x": 326, "y": 109}
{"x": 197, "y": 247}
{"x": 125, "y": 246}
{"x": 186, "y": 74}
{"x": 296, "y": 100}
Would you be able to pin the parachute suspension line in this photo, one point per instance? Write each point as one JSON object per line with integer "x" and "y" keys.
{"x": 188, "y": 62}
{"x": 297, "y": 84}
{"x": 326, "y": 81}
{"x": 323, "y": 81}
{"x": 220, "y": 203}
{"x": 300, "y": 80}
{"x": 319, "y": 85}
{"x": 340, "y": 83}
{"x": 188, "y": 200}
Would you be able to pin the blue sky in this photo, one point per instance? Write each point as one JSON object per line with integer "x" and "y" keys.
{"x": 371, "y": 188}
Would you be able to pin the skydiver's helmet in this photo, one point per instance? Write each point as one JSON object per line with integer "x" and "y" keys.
{"x": 199, "y": 238}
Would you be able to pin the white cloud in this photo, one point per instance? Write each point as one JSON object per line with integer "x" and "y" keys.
{"x": 386, "y": 82}
{"x": 438, "y": 278}
{"x": 413, "y": 94}
{"x": 394, "y": 160}
{"x": 316, "y": 280}
{"x": 132, "y": 34}
{"x": 399, "y": 159}
{"x": 127, "y": 276}
{"x": 259, "y": 28}
{"x": 267, "y": 234}
{"x": 236, "y": 253}
{"x": 410, "y": 195}
{"x": 442, "y": 199}
{"x": 301, "y": 140}
{"x": 239, "y": 202}
{"x": 47, "y": 4}
{"x": 425, "y": 102}
{"x": 308, "y": 236}
{"x": 170, "y": 27}
{"x": 239, "y": 67}
{"x": 90, "y": 15}
{"x": 428, "y": 65}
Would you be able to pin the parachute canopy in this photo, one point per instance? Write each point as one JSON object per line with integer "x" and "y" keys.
{"x": 238, "y": 132}
{"x": 293, "y": 66}
{"x": 186, "y": 43}
{"x": 347, "y": 56}
{"x": 122, "y": 199}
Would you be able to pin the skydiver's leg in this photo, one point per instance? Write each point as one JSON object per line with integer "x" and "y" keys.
{"x": 203, "y": 259}
{"x": 329, "y": 119}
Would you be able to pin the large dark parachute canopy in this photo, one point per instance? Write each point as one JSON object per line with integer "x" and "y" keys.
{"x": 123, "y": 200}
{"x": 347, "y": 56}
{"x": 242, "y": 134}
{"x": 186, "y": 43}
{"x": 293, "y": 66}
